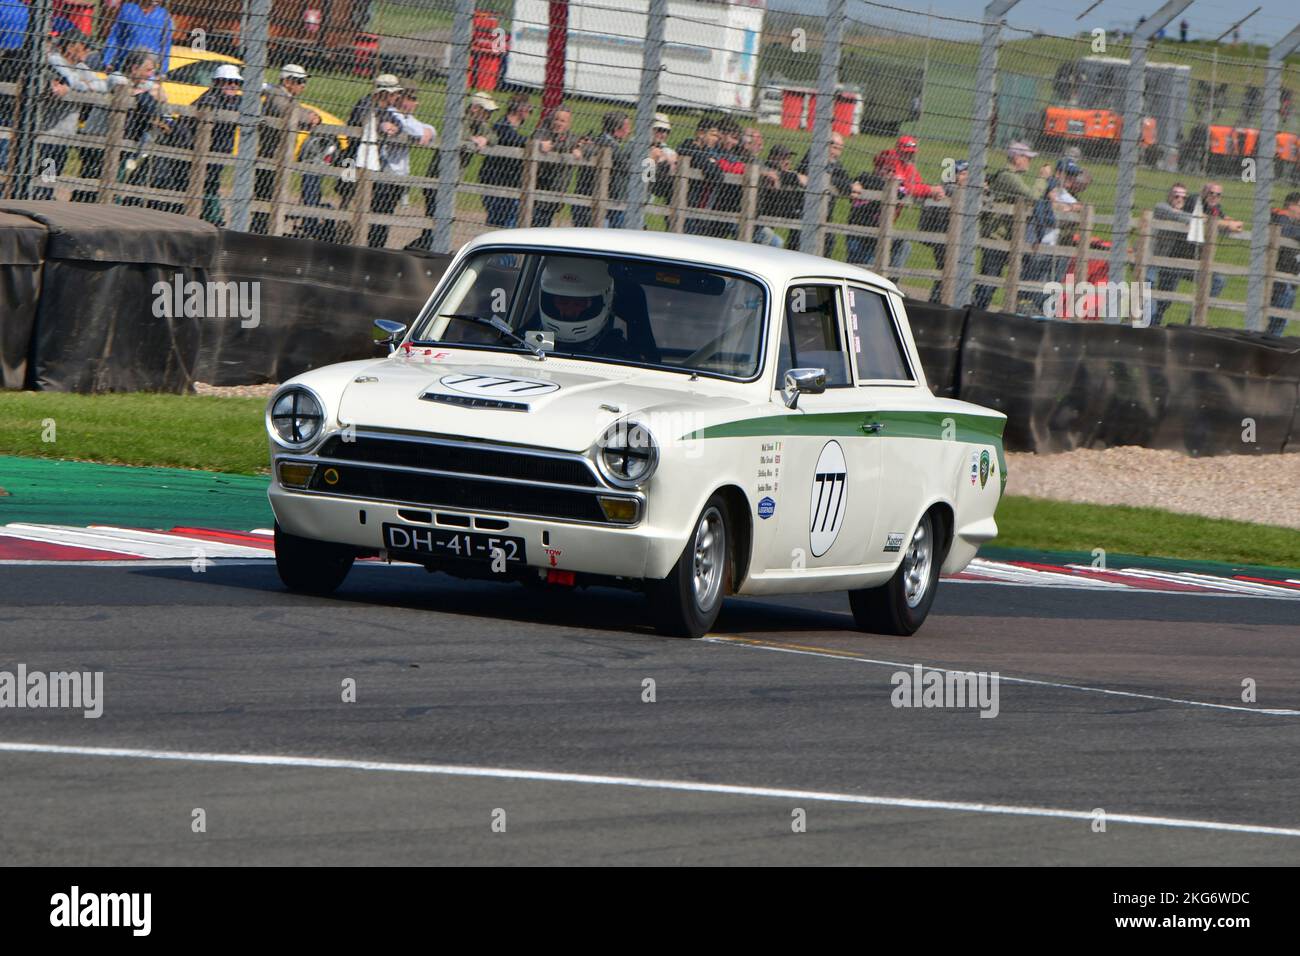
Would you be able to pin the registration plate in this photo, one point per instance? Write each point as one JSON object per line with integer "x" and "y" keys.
{"x": 449, "y": 543}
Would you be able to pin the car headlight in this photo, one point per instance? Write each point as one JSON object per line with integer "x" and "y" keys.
{"x": 295, "y": 417}
{"x": 628, "y": 454}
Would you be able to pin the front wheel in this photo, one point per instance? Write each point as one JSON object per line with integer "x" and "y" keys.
{"x": 687, "y": 602}
{"x": 312, "y": 567}
{"x": 900, "y": 606}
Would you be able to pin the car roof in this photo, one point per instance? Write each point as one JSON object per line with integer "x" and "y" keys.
{"x": 775, "y": 265}
{"x": 192, "y": 54}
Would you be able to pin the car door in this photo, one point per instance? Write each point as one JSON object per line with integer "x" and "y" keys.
{"x": 829, "y": 470}
{"x": 887, "y": 389}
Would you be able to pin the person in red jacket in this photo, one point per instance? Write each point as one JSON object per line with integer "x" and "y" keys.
{"x": 900, "y": 163}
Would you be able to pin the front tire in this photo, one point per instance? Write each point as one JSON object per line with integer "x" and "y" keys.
{"x": 687, "y": 602}
{"x": 900, "y": 606}
{"x": 310, "y": 567}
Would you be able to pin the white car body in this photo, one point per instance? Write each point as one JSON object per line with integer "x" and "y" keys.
{"x": 780, "y": 469}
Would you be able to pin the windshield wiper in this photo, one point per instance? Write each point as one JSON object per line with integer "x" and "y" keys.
{"x": 500, "y": 327}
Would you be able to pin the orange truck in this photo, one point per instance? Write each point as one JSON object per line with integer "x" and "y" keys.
{"x": 1219, "y": 148}
{"x": 1088, "y": 107}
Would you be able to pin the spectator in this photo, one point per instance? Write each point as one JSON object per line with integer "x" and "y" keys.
{"x": 780, "y": 194}
{"x": 555, "y": 139}
{"x": 145, "y": 25}
{"x": 146, "y": 119}
{"x": 279, "y": 103}
{"x": 1170, "y": 244}
{"x": 71, "y": 75}
{"x": 363, "y": 152}
{"x": 226, "y": 93}
{"x": 13, "y": 33}
{"x": 616, "y": 128}
{"x": 395, "y": 157}
{"x": 663, "y": 156}
{"x": 1043, "y": 229}
{"x": 732, "y": 160}
{"x": 702, "y": 153}
{"x": 478, "y": 133}
{"x": 841, "y": 184}
{"x": 898, "y": 163}
{"x": 506, "y": 171}
{"x": 1005, "y": 186}
{"x": 1288, "y": 261}
{"x": 935, "y": 216}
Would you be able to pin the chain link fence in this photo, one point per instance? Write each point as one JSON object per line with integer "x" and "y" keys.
{"x": 970, "y": 160}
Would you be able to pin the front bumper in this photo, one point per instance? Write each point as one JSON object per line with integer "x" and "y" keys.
{"x": 642, "y": 551}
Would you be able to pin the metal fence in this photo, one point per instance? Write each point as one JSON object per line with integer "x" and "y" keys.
{"x": 1045, "y": 176}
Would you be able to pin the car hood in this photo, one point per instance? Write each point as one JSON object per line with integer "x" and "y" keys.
{"x": 558, "y": 403}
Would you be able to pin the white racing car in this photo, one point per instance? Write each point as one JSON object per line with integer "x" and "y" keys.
{"x": 691, "y": 417}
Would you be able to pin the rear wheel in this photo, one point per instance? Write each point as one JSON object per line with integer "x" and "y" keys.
{"x": 901, "y": 605}
{"x": 687, "y": 602}
{"x": 311, "y": 567}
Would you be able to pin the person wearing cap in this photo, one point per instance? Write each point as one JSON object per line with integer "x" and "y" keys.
{"x": 370, "y": 113}
{"x": 395, "y": 158}
{"x": 555, "y": 141}
{"x": 702, "y": 152}
{"x": 780, "y": 193}
{"x": 506, "y": 171}
{"x": 1043, "y": 229}
{"x": 278, "y": 103}
{"x": 663, "y": 156}
{"x": 1005, "y": 186}
{"x": 226, "y": 93}
{"x": 898, "y": 163}
{"x": 935, "y": 215}
{"x": 477, "y": 132}
{"x": 144, "y": 25}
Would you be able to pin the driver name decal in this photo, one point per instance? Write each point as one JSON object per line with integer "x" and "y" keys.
{"x": 830, "y": 498}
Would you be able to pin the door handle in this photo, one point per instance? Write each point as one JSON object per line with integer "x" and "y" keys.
{"x": 872, "y": 428}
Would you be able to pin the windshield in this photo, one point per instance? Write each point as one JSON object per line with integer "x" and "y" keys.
{"x": 606, "y": 308}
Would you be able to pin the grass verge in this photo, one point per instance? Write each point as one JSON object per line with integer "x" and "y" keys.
{"x": 179, "y": 431}
{"x": 226, "y": 435}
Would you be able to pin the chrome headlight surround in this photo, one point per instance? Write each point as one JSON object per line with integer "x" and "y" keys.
{"x": 295, "y": 417}
{"x": 627, "y": 454}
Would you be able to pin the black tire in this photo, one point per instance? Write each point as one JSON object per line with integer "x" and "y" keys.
{"x": 678, "y": 606}
{"x": 896, "y": 607}
{"x": 310, "y": 567}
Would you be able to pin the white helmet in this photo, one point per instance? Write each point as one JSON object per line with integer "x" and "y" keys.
{"x": 576, "y": 298}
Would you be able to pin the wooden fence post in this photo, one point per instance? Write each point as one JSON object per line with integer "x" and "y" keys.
{"x": 948, "y": 286}
{"x": 361, "y": 211}
{"x": 198, "y": 167}
{"x": 1201, "y": 306}
{"x": 1084, "y": 246}
{"x": 283, "y": 175}
{"x": 1012, "y": 293}
{"x": 888, "y": 209}
{"x": 749, "y": 201}
{"x": 117, "y": 110}
{"x": 677, "y": 216}
{"x": 601, "y": 197}
{"x": 530, "y": 184}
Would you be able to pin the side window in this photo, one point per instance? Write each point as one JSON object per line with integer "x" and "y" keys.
{"x": 811, "y": 338}
{"x": 874, "y": 339}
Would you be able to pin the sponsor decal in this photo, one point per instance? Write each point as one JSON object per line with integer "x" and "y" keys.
{"x": 974, "y": 468}
{"x": 829, "y": 500}
{"x": 894, "y": 541}
{"x": 495, "y": 386}
{"x": 766, "y": 508}
{"x": 984, "y": 468}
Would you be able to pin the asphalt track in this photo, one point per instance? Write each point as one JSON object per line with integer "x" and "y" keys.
{"x": 223, "y": 692}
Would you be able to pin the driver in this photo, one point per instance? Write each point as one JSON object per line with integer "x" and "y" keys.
{"x": 577, "y": 307}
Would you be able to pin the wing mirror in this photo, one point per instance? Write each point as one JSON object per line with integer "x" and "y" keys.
{"x": 800, "y": 380}
{"x": 389, "y": 333}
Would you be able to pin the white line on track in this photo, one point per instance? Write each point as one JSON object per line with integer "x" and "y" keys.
{"x": 1002, "y": 678}
{"x": 643, "y": 783}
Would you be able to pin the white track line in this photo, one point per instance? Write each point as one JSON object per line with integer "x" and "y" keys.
{"x": 644, "y": 783}
{"x": 1002, "y": 678}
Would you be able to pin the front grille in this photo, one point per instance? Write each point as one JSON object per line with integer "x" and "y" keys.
{"x": 469, "y": 494}
{"x": 461, "y": 459}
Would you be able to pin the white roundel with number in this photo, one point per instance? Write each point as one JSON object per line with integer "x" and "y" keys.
{"x": 830, "y": 498}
